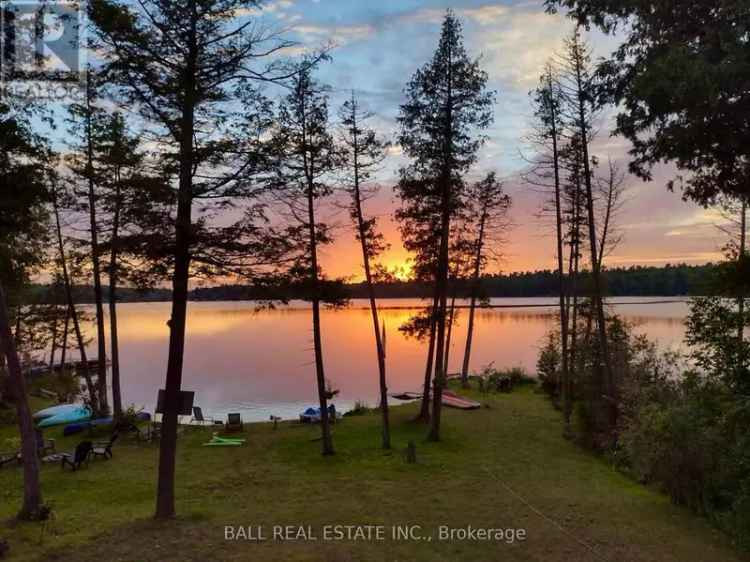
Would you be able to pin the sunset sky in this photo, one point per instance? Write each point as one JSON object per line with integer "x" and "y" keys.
{"x": 380, "y": 44}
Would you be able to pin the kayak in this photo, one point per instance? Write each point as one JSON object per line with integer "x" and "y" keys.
{"x": 312, "y": 415}
{"x": 73, "y": 428}
{"x": 407, "y": 396}
{"x": 54, "y": 410}
{"x": 78, "y": 427}
{"x": 66, "y": 416}
{"x": 453, "y": 400}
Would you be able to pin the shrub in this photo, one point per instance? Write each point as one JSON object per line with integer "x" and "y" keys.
{"x": 360, "y": 409}
{"x": 548, "y": 364}
{"x": 502, "y": 380}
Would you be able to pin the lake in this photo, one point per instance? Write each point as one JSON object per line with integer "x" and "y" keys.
{"x": 261, "y": 362}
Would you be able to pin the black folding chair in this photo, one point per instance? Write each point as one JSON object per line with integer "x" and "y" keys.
{"x": 81, "y": 455}
{"x": 104, "y": 448}
{"x": 234, "y": 422}
{"x": 198, "y": 416}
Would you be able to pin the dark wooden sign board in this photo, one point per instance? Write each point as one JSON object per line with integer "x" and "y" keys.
{"x": 186, "y": 402}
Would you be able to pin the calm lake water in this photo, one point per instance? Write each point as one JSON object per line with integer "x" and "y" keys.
{"x": 260, "y": 362}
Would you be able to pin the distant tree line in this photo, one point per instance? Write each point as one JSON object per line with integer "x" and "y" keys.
{"x": 634, "y": 281}
{"x": 669, "y": 280}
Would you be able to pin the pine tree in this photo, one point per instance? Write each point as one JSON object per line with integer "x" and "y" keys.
{"x": 303, "y": 160}
{"x": 490, "y": 205}
{"x": 185, "y": 66}
{"x": 447, "y": 104}
{"x": 363, "y": 152}
{"x": 24, "y": 164}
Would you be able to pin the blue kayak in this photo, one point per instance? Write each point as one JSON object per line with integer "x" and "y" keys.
{"x": 78, "y": 427}
{"x": 54, "y": 410}
{"x": 73, "y": 428}
{"x": 68, "y": 415}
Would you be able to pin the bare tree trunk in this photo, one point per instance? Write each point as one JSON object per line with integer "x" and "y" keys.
{"x": 165, "y": 496}
{"x": 595, "y": 269}
{"x": 19, "y": 320}
{"x": 93, "y": 398}
{"x": 573, "y": 265}
{"x": 101, "y": 373}
{"x": 53, "y": 347}
{"x": 32, "y": 492}
{"x": 741, "y": 298}
{"x": 451, "y": 316}
{"x": 473, "y": 301}
{"x": 424, "y": 411}
{"x": 64, "y": 350}
{"x": 325, "y": 427}
{"x": 607, "y": 219}
{"x": 563, "y": 386}
{"x": 114, "y": 343}
{"x": 379, "y": 347}
{"x": 469, "y": 338}
{"x": 440, "y": 289}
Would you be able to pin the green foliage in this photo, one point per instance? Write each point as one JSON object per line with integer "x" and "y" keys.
{"x": 360, "y": 409}
{"x": 679, "y": 78}
{"x": 713, "y": 327}
{"x": 549, "y": 363}
{"x": 66, "y": 385}
{"x": 24, "y": 164}
{"x": 447, "y": 107}
{"x": 502, "y": 380}
{"x": 688, "y": 435}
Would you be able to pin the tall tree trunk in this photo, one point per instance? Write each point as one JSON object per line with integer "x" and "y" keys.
{"x": 440, "y": 288}
{"x": 595, "y": 269}
{"x": 564, "y": 386}
{"x": 165, "y": 497}
{"x": 607, "y": 219}
{"x": 573, "y": 316}
{"x": 64, "y": 349}
{"x": 93, "y": 397}
{"x": 114, "y": 343}
{"x": 741, "y": 297}
{"x": 325, "y": 427}
{"x": 101, "y": 374}
{"x": 424, "y": 410}
{"x": 53, "y": 346}
{"x": 473, "y": 301}
{"x": 379, "y": 347}
{"x": 19, "y": 320}
{"x": 32, "y": 492}
{"x": 441, "y": 280}
{"x": 451, "y": 317}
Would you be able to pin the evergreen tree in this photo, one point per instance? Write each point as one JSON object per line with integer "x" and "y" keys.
{"x": 304, "y": 159}
{"x": 490, "y": 206}
{"x": 24, "y": 163}
{"x": 447, "y": 104}
{"x": 363, "y": 152}
{"x": 185, "y": 66}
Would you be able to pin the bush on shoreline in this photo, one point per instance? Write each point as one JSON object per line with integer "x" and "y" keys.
{"x": 682, "y": 426}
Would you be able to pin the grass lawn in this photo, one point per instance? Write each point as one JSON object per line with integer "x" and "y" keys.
{"x": 504, "y": 466}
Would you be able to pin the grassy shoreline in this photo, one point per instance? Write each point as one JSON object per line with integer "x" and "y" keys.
{"x": 505, "y": 466}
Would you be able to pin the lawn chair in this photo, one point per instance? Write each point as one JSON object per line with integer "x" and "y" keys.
{"x": 81, "y": 455}
{"x": 44, "y": 446}
{"x": 104, "y": 448}
{"x": 234, "y": 423}
{"x": 198, "y": 416}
